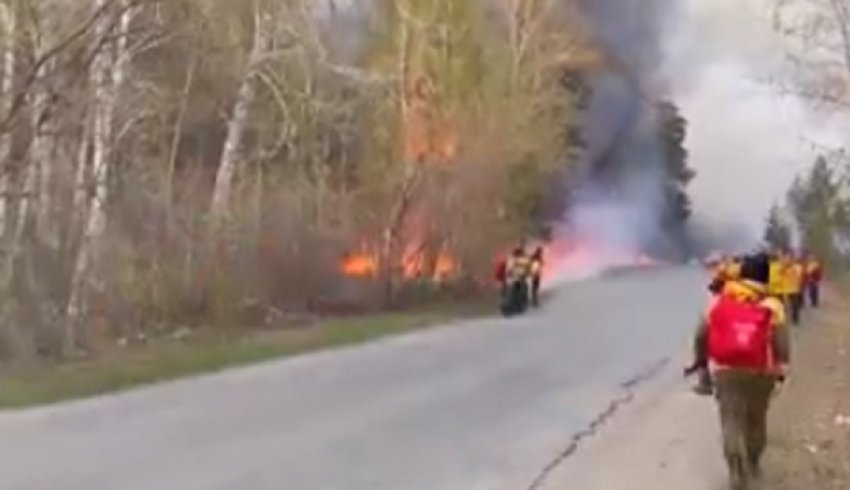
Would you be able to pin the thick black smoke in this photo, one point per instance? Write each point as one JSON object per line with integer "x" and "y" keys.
{"x": 619, "y": 199}
{"x": 633, "y": 34}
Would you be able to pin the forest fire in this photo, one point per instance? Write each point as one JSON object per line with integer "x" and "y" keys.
{"x": 359, "y": 266}
{"x": 579, "y": 259}
{"x": 428, "y": 139}
{"x": 414, "y": 264}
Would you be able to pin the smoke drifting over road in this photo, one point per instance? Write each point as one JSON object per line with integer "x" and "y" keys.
{"x": 617, "y": 205}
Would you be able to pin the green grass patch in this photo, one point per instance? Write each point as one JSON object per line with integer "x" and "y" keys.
{"x": 207, "y": 352}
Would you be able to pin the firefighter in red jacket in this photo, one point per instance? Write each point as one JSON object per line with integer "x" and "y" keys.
{"x": 743, "y": 337}
{"x": 814, "y": 278}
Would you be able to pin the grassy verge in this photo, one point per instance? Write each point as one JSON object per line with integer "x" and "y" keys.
{"x": 207, "y": 352}
{"x": 811, "y": 436}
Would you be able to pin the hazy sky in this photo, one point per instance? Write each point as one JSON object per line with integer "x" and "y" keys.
{"x": 746, "y": 142}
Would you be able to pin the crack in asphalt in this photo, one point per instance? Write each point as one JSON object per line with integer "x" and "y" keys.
{"x": 629, "y": 386}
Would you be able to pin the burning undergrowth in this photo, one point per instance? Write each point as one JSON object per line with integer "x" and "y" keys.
{"x": 627, "y": 197}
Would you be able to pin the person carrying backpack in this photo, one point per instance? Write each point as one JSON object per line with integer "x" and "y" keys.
{"x": 744, "y": 339}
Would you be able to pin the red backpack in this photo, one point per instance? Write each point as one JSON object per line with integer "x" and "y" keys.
{"x": 739, "y": 334}
{"x": 500, "y": 272}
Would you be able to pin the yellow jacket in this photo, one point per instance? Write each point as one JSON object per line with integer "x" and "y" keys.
{"x": 774, "y": 285}
{"x": 733, "y": 270}
{"x": 518, "y": 268}
{"x": 536, "y": 267}
{"x": 793, "y": 276}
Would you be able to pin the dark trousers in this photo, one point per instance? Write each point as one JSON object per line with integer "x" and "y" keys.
{"x": 743, "y": 399}
{"x": 515, "y": 298}
{"x": 535, "y": 291}
{"x": 813, "y": 290}
{"x": 794, "y": 307}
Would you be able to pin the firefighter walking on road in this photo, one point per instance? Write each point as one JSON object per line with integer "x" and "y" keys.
{"x": 744, "y": 338}
{"x": 814, "y": 277}
{"x": 793, "y": 281}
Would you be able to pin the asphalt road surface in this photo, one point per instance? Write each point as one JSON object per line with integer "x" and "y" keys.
{"x": 482, "y": 405}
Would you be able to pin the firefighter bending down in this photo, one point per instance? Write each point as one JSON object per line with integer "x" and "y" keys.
{"x": 516, "y": 283}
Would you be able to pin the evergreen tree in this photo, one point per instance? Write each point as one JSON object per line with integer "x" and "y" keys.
{"x": 777, "y": 232}
{"x": 677, "y": 173}
{"x": 820, "y": 210}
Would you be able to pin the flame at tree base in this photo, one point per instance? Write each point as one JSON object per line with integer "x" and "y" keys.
{"x": 413, "y": 264}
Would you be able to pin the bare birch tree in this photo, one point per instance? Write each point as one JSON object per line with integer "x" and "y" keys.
{"x": 9, "y": 12}
{"x": 818, "y": 49}
{"x": 233, "y": 153}
{"x": 108, "y": 73}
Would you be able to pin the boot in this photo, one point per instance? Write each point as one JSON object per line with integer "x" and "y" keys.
{"x": 754, "y": 467}
{"x": 705, "y": 385}
{"x": 738, "y": 478}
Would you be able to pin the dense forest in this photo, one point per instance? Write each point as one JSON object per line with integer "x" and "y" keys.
{"x": 194, "y": 161}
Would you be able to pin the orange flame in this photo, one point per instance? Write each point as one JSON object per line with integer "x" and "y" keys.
{"x": 359, "y": 266}
{"x": 427, "y": 137}
{"x": 413, "y": 265}
{"x": 445, "y": 267}
{"x": 579, "y": 258}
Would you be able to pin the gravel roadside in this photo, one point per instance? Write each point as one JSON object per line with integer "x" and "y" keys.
{"x": 810, "y": 447}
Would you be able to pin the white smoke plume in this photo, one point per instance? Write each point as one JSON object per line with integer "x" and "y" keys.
{"x": 745, "y": 140}
{"x": 616, "y": 207}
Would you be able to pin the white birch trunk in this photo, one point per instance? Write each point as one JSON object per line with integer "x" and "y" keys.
{"x": 81, "y": 173}
{"x": 175, "y": 142}
{"x": 233, "y": 151}
{"x": 8, "y": 17}
{"x": 109, "y": 71}
{"x": 42, "y": 156}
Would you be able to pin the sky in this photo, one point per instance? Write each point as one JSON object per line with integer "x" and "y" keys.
{"x": 746, "y": 142}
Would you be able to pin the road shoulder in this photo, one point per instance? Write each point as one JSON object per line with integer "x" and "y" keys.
{"x": 669, "y": 440}
{"x": 666, "y": 440}
{"x": 202, "y": 351}
{"x": 811, "y": 419}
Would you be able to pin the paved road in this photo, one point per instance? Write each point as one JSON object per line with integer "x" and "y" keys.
{"x": 483, "y": 405}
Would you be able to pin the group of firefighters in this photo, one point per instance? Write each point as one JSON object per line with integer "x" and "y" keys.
{"x": 742, "y": 346}
{"x": 519, "y": 276}
{"x": 795, "y": 279}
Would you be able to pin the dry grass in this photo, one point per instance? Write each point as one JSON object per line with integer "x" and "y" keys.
{"x": 206, "y": 352}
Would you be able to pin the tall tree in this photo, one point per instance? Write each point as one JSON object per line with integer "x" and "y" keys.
{"x": 777, "y": 232}
{"x": 132, "y": 130}
{"x": 677, "y": 174}
{"x": 818, "y": 47}
{"x": 819, "y": 207}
